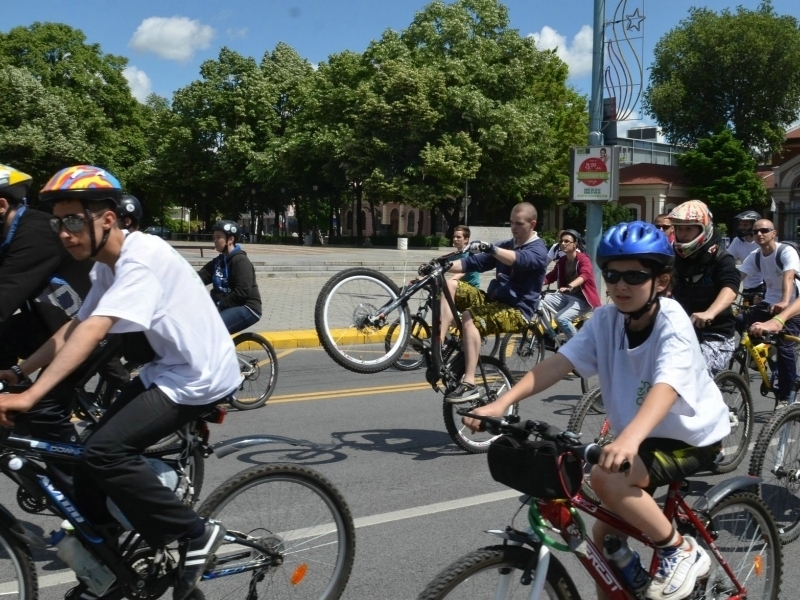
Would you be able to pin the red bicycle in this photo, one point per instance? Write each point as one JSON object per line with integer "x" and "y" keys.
{"x": 733, "y": 525}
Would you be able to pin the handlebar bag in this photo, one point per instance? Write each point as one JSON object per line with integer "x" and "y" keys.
{"x": 531, "y": 467}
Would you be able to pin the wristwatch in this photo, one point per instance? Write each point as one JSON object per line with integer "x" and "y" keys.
{"x": 18, "y": 372}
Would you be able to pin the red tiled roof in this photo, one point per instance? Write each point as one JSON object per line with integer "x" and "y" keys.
{"x": 793, "y": 134}
{"x": 649, "y": 174}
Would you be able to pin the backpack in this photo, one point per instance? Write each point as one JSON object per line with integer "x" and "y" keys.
{"x": 778, "y": 259}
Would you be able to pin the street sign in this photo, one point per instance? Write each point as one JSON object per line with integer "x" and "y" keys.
{"x": 594, "y": 173}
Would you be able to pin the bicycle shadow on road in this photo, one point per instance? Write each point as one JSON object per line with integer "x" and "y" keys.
{"x": 418, "y": 443}
{"x": 323, "y": 454}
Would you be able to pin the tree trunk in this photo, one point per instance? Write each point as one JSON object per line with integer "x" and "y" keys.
{"x": 357, "y": 216}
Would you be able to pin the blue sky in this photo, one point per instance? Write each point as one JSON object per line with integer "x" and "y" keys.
{"x": 167, "y": 40}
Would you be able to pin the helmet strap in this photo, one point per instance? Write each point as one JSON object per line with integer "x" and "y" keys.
{"x": 639, "y": 313}
{"x": 95, "y": 246}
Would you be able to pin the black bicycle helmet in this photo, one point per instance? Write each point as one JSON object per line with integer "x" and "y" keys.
{"x": 229, "y": 228}
{"x": 638, "y": 240}
{"x": 748, "y": 215}
{"x": 575, "y": 235}
{"x": 130, "y": 207}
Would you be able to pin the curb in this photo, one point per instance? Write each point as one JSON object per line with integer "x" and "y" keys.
{"x": 307, "y": 338}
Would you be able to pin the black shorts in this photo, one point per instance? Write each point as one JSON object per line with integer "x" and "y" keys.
{"x": 669, "y": 460}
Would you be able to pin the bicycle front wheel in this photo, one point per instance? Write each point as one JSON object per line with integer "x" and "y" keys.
{"x": 258, "y": 364}
{"x": 737, "y": 397}
{"x": 17, "y": 571}
{"x": 496, "y": 572}
{"x": 589, "y": 420}
{"x": 520, "y": 352}
{"x": 295, "y": 512}
{"x": 776, "y": 459}
{"x": 745, "y": 534}
{"x": 495, "y": 381}
{"x": 350, "y": 325}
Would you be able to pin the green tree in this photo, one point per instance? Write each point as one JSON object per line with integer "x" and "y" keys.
{"x": 38, "y": 135}
{"x": 729, "y": 70}
{"x": 723, "y": 175}
{"x": 91, "y": 85}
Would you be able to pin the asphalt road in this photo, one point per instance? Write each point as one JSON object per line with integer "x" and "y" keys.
{"x": 390, "y": 454}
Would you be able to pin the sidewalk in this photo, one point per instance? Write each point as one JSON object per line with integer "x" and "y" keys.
{"x": 291, "y": 277}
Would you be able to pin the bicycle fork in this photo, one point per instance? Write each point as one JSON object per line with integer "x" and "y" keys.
{"x": 538, "y": 570}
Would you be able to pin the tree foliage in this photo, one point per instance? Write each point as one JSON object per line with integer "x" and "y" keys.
{"x": 729, "y": 70}
{"x": 723, "y": 175}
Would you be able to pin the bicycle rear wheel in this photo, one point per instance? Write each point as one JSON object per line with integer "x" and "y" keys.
{"x": 259, "y": 366}
{"x": 520, "y": 352}
{"x": 776, "y": 459}
{"x": 497, "y": 380}
{"x": 737, "y": 397}
{"x": 349, "y": 325}
{"x": 294, "y": 511}
{"x": 746, "y": 536}
{"x": 589, "y": 419}
{"x": 495, "y": 572}
{"x": 17, "y": 571}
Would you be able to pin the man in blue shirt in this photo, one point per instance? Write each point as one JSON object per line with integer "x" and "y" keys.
{"x": 512, "y": 296}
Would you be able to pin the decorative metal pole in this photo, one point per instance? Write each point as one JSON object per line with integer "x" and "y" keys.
{"x": 594, "y": 210}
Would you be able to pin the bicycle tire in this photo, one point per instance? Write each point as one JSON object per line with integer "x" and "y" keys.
{"x": 746, "y": 536}
{"x": 410, "y": 358}
{"x": 588, "y": 383}
{"x": 499, "y": 381}
{"x": 476, "y": 575}
{"x": 313, "y": 528}
{"x": 780, "y": 485}
{"x": 520, "y": 352}
{"x": 339, "y": 319}
{"x": 589, "y": 420}
{"x": 736, "y": 394}
{"x": 18, "y": 578}
{"x": 259, "y": 366}
{"x": 491, "y": 345}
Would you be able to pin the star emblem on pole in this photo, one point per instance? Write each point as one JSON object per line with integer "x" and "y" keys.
{"x": 634, "y": 21}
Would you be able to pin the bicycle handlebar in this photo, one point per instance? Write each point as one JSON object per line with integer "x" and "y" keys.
{"x": 511, "y": 425}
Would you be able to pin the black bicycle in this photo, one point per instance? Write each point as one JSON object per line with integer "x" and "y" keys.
{"x": 357, "y": 308}
{"x": 290, "y": 532}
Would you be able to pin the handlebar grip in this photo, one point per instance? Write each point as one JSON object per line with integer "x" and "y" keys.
{"x": 592, "y": 455}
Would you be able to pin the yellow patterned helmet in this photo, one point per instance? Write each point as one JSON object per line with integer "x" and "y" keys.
{"x": 14, "y": 184}
{"x": 692, "y": 212}
{"x": 82, "y": 182}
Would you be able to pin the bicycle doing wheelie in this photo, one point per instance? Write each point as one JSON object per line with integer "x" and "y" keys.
{"x": 290, "y": 532}
{"x": 357, "y": 307}
{"x": 733, "y": 525}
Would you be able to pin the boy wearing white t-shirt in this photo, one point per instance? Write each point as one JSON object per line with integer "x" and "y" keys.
{"x": 657, "y": 393}
{"x": 741, "y": 247}
{"x": 139, "y": 284}
{"x": 778, "y": 265}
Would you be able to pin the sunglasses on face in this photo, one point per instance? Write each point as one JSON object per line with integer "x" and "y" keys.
{"x": 763, "y": 230}
{"x": 664, "y": 227}
{"x": 72, "y": 223}
{"x": 629, "y": 277}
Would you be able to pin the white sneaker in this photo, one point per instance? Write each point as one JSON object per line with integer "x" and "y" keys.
{"x": 678, "y": 570}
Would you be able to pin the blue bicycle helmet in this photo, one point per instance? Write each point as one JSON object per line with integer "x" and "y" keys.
{"x": 638, "y": 240}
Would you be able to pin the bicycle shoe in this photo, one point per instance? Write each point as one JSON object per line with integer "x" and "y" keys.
{"x": 463, "y": 393}
{"x": 195, "y": 554}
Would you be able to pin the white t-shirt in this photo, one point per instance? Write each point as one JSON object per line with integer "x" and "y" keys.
{"x": 153, "y": 289}
{"x": 671, "y": 355}
{"x": 740, "y": 249}
{"x": 771, "y": 274}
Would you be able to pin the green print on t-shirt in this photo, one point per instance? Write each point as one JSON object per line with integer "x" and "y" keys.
{"x": 644, "y": 388}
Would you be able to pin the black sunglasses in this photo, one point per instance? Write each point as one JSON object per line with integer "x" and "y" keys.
{"x": 72, "y": 223}
{"x": 629, "y": 277}
{"x": 664, "y": 227}
{"x": 763, "y": 230}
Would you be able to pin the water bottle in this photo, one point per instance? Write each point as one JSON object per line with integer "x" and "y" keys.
{"x": 627, "y": 563}
{"x": 88, "y": 569}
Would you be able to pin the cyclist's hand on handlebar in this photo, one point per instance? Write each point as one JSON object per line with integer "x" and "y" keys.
{"x": 771, "y": 326}
{"x": 427, "y": 268}
{"x": 9, "y": 377}
{"x": 490, "y": 410}
{"x": 485, "y": 247}
{"x": 11, "y": 404}
{"x": 618, "y": 456}
{"x": 702, "y": 319}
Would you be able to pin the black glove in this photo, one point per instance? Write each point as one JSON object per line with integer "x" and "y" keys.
{"x": 427, "y": 268}
{"x": 485, "y": 247}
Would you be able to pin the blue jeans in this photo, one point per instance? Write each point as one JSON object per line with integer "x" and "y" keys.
{"x": 237, "y": 318}
{"x": 567, "y": 307}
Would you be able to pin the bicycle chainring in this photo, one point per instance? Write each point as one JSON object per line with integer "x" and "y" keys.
{"x": 154, "y": 578}
{"x": 30, "y": 503}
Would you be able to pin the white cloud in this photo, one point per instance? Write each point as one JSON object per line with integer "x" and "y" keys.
{"x": 577, "y": 55}
{"x": 139, "y": 82}
{"x": 237, "y": 34}
{"x": 174, "y": 38}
